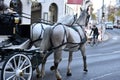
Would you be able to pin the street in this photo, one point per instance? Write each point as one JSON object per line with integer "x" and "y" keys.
{"x": 103, "y": 62}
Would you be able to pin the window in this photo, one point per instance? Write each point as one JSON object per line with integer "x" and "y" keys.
{"x": 16, "y": 5}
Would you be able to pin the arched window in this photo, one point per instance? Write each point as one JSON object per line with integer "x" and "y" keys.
{"x": 53, "y": 9}
{"x": 36, "y": 10}
{"x": 16, "y": 5}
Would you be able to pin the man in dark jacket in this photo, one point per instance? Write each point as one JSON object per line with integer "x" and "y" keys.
{"x": 95, "y": 32}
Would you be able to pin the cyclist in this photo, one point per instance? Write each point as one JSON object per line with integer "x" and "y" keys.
{"x": 95, "y": 33}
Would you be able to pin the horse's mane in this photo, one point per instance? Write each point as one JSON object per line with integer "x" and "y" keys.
{"x": 66, "y": 19}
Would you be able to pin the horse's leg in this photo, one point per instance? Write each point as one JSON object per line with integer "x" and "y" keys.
{"x": 69, "y": 62}
{"x": 43, "y": 69}
{"x": 84, "y": 57}
{"x": 38, "y": 72}
{"x": 57, "y": 59}
{"x": 42, "y": 73}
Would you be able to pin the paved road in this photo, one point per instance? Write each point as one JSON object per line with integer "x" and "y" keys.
{"x": 103, "y": 62}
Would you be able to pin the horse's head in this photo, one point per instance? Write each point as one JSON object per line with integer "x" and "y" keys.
{"x": 67, "y": 19}
{"x": 85, "y": 15}
{"x": 83, "y": 18}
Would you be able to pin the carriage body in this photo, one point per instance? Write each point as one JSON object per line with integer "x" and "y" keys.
{"x": 17, "y": 59}
{"x": 8, "y": 29}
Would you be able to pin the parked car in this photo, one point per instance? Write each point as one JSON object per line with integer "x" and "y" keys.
{"x": 109, "y": 25}
{"x": 116, "y": 26}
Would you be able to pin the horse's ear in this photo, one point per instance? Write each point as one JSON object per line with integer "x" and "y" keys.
{"x": 87, "y": 8}
{"x": 81, "y": 9}
{"x": 75, "y": 16}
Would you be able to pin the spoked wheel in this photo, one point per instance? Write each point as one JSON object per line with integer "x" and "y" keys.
{"x": 17, "y": 67}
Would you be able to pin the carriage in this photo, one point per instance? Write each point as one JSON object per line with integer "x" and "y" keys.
{"x": 16, "y": 57}
{"x": 19, "y": 59}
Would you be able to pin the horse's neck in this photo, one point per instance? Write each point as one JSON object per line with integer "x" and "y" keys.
{"x": 45, "y": 43}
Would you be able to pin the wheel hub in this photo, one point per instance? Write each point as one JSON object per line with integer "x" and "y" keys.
{"x": 19, "y": 72}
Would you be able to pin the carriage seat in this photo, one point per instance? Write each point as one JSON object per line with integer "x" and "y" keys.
{"x": 7, "y": 22}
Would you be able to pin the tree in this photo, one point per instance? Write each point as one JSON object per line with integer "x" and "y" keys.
{"x": 111, "y": 17}
{"x": 111, "y": 13}
{"x": 118, "y": 12}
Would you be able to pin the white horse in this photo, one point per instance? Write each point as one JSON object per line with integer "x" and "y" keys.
{"x": 37, "y": 29}
{"x": 61, "y": 37}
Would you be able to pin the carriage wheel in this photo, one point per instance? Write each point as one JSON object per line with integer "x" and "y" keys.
{"x": 17, "y": 67}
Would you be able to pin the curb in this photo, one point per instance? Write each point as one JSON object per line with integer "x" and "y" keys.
{"x": 106, "y": 37}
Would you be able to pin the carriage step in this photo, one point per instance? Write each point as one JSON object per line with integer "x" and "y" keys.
{"x": 1, "y": 65}
{"x": 3, "y": 43}
{"x": 19, "y": 41}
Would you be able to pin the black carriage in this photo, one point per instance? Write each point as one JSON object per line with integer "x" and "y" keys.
{"x": 18, "y": 60}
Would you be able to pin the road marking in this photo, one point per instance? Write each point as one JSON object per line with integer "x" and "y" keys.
{"x": 103, "y": 54}
{"x": 88, "y": 56}
{"x": 105, "y": 75}
{"x": 115, "y": 38}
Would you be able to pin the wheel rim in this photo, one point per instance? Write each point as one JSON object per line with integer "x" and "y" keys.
{"x": 18, "y": 67}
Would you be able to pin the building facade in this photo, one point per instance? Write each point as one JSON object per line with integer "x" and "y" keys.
{"x": 32, "y": 11}
{"x": 37, "y": 10}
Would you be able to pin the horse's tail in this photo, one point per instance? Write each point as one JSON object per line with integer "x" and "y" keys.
{"x": 45, "y": 43}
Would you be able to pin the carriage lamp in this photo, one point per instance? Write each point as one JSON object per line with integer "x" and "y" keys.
{"x": 16, "y": 20}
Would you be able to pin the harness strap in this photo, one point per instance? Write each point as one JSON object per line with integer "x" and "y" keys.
{"x": 39, "y": 38}
{"x": 65, "y": 34}
{"x": 77, "y": 32}
{"x": 73, "y": 21}
{"x": 84, "y": 33}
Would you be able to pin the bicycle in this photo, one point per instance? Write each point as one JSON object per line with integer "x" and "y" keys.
{"x": 93, "y": 41}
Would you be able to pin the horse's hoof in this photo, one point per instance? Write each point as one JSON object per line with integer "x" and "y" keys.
{"x": 85, "y": 70}
{"x": 52, "y": 68}
{"x": 69, "y": 74}
{"x": 38, "y": 76}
